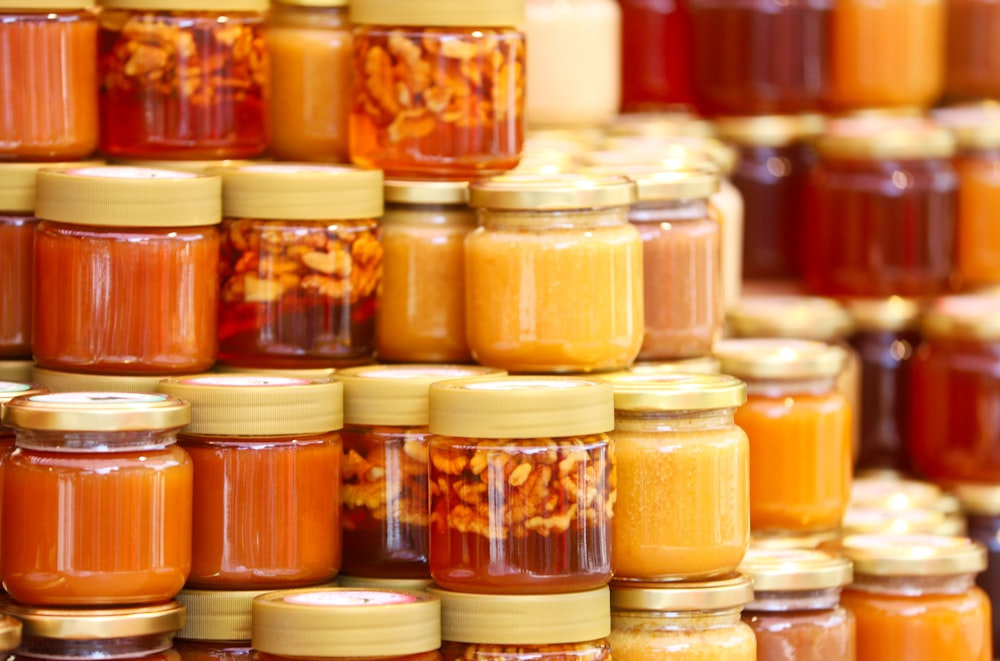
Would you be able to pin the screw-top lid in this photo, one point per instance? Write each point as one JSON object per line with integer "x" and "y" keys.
{"x": 521, "y": 407}
{"x": 913, "y": 555}
{"x": 16, "y": 370}
{"x": 121, "y": 196}
{"x": 187, "y": 5}
{"x": 439, "y": 13}
{"x": 11, "y": 389}
{"x": 701, "y": 365}
{"x": 801, "y": 317}
{"x": 656, "y": 184}
{"x": 258, "y": 405}
{"x": 775, "y": 570}
{"x": 676, "y": 392}
{"x": 885, "y": 138}
{"x": 979, "y": 499}
{"x": 217, "y": 614}
{"x": 769, "y": 130}
{"x": 975, "y": 126}
{"x": 310, "y": 374}
{"x": 65, "y": 623}
{"x": 537, "y": 192}
{"x": 660, "y": 125}
{"x": 864, "y": 520}
{"x": 10, "y": 633}
{"x": 769, "y": 358}
{"x": 969, "y": 317}
{"x": 397, "y": 395}
{"x": 884, "y": 314}
{"x": 97, "y": 411}
{"x": 524, "y": 619}
{"x": 893, "y": 493}
{"x": 301, "y": 191}
{"x": 732, "y": 592}
{"x": 410, "y": 191}
{"x": 395, "y": 584}
{"x": 76, "y": 382}
{"x": 346, "y": 622}
{"x": 17, "y": 180}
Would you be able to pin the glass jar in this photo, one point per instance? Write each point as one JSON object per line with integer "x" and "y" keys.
{"x": 126, "y": 270}
{"x": 525, "y": 627}
{"x": 586, "y": 33}
{"x": 972, "y": 65}
{"x": 775, "y": 58}
{"x": 800, "y": 432}
{"x": 217, "y": 627}
{"x": 796, "y": 613}
{"x": 914, "y": 598}
{"x": 682, "y": 509}
{"x": 262, "y": 445}
{"x": 771, "y": 171}
{"x": 981, "y": 505}
{"x": 183, "y": 79}
{"x": 421, "y": 306}
{"x": 525, "y": 477}
{"x": 884, "y": 340}
{"x": 955, "y": 391}
{"x": 886, "y": 185}
{"x": 346, "y": 623}
{"x": 301, "y": 264}
{"x": 48, "y": 78}
{"x": 309, "y": 51}
{"x": 438, "y": 87}
{"x": 76, "y": 634}
{"x": 553, "y": 277}
{"x": 656, "y": 56}
{"x": 886, "y": 54}
{"x": 682, "y": 622}
{"x": 97, "y": 499}
{"x": 385, "y": 491}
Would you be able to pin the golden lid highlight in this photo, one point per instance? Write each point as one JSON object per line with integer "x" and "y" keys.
{"x": 799, "y": 317}
{"x": 913, "y": 555}
{"x": 439, "y": 13}
{"x": 676, "y": 392}
{"x": 67, "y": 623}
{"x": 97, "y": 411}
{"x": 409, "y": 191}
{"x": 529, "y": 192}
{"x": 722, "y": 594}
{"x": 775, "y": 570}
{"x": 767, "y": 358}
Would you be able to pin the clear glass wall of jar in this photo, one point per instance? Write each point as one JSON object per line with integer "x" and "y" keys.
{"x": 217, "y": 626}
{"x": 183, "y": 79}
{"x": 981, "y": 505}
{"x": 301, "y": 264}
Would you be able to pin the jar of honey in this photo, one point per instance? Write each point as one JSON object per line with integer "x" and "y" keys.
{"x": 525, "y": 627}
{"x": 887, "y": 185}
{"x": 972, "y": 65}
{"x": 682, "y": 511}
{"x": 954, "y": 391}
{"x": 346, "y": 623}
{"x": 656, "y": 56}
{"x": 682, "y": 621}
{"x": 554, "y": 274}
{"x": 981, "y": 505}
{"x": 301, "y": 264}
{"x": 48, "y": 72}
{"x": 796, "y": 611}
{"x": 800, "y": 432}
{"x": 126, "y": 270}
{"x": 914, "y": 598}
{"x": 260, "y": 445}
{"x": 525, "y": 484}
{"x": 142, "y": 633}
{"x": 438, "y": 87}
{"x": 97, "y": 500}
{"x": 421, "y": 307}
{"x": 776, "y": 58}
{"x": 385, "y": 491}
{"x": 217, "y": 626}
{"x": 183, "y": 79}
{"x": 309, "y": 50}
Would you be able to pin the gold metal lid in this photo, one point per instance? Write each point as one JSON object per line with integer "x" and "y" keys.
{"x": 524, "y": 619}
{"x": 120, "y": 196}
{"x": 868, "y": 520}
{"x": 913, "y": 555}
{"x": 552, "y": 192}
{"x": 979, "y": 499}
{"x": 676, "y": 392}
{"x": 439, "y": 13}
{"x": 893, "y": 493}
{"x": 656, "y": 184}
{"x": 300, "y": 191}
{"x": 10, "y": 633}
{"x": 11, "y": 389}
{"x": 346, "y": 622}
{"x": 16, "y": 370}
{"x": 17, "y": 180}
{"x": 73, "y": 382}
{"x": 97, "y": 411}
{"x": 800, "y": 317}
{"x": 258, "y": 405}
{"x": 793, "y": 570}
{"x": 773, "y": 358}
{"x": 882, "y": 138}
{"x": 397, "y": 395}
{"x": 732, "y": 592}
{"x": 521, "y": 407}
{"x": 46, "y": 5}
{"x": 787, "y": 542}
{"x": 310, "y": 374}
{"x": 96, "y": 623}
{"x": 409, "y": 191}
{"x": 967, "y": 316}
{"x": 187, "y": 5}
{"x": 769, "y": 130}
{"x": 661, "y": 125}
{"x": 975, "y": 126}
{"x": 702, "y": 365}
{"x": 217, "y": 614}
{"x": 396, "y": 584}
{"x": 883, "y": 314}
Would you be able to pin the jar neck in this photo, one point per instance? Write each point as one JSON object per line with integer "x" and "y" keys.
{"x": 108, "y": 648}
{"x": 674, "y": 421}
{"x": 668, "y": 210}
{"x": 797, "y": 600}
{"x": 533, "y": 219}
{"x": 914, "y": 586}
{"x": 816, "y": 386}
{"x": 679, "y": 620}
{"x": 95, "y": 442}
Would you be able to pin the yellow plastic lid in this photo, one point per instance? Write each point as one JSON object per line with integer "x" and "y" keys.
{"x": 771, "y": 358}
{"x": 395, "y": 584}
{"x": 969, "y": 317}
{"x": 533, "y": 192}
{"x": 258, "y": 405}
{"x": 397, "y": 395}
{"x": 75, "y": 382}
{"x": 885, "y": 138}
{"x": 346, "y": 622}
{"x": 16, "y": 370}
{"x": 769, "y": 130}
{"x": 913, "y": 555}
{"x": 10, "y": 633}
{"x": 17, "y": 180}
{"x": 410, "y": 191}
{"x": 217, "y": 614}
{"x": 702, "y": 365}
{"x": 801, "y": 317}
{"x": 97, "y": 411}
{"x": 96, "y": 623}
{"x": 524, "y": 619}
{"x": 521, "y": 407}
{"x": 121, "y": 196}
{"x": 979, "y": 499}
{"x": 732, "y": 592}
{"x": 187, "y": 5}
{"x": 884, "y": 314}
{"x": 793, "y": 570}
{"x": 676, "y": 392}
{"x": 439, "y": 13}
{"x": 301, "y": 191}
